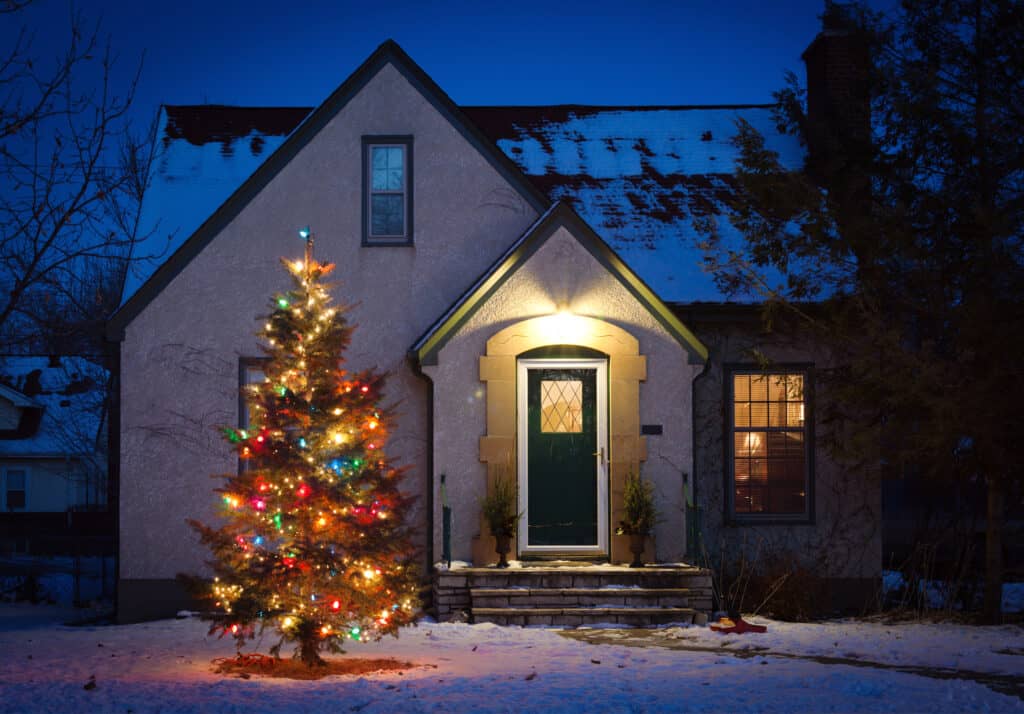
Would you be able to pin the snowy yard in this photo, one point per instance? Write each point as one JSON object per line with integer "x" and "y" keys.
{"x": 165, "y": 666}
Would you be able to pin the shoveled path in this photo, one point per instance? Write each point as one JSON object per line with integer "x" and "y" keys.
{"x": 1002, "y": 683}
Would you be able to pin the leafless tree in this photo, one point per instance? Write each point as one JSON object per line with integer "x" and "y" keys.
{"x": 72, "y": 176}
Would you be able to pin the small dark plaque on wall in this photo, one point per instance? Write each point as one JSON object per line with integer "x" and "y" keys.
{"x": 651, "y": 429}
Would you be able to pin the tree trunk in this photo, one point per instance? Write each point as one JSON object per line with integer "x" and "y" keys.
{"x": 309, "y": 645}
{"x": 992, "y": 611}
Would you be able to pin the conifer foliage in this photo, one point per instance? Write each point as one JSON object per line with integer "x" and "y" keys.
{"x": 314, "y": 542}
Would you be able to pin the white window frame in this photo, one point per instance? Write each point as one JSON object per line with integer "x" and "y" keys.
{"x": 601, "y": 475}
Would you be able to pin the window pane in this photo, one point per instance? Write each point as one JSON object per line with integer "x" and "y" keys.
{"x": 388, "y": 217}
{"x": 742, "y": 499}
{"x": 388, "y": 169}
{"x": 561, "y": 406}
{"x": 795, "y": 387}
{"x": 741, "y": 414}
{"x": 759, "y": 387}
{"x": 15, "y": 499}
{"x": 741, "y": 387}
{"x": 742, "y": 470}
{"x": 776, "y": 414}
{"x": 759, "y": 414}
{"x": 777, "y": 387}
{"x": 15, "y": 480}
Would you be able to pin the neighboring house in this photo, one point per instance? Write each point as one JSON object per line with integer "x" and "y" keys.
{"x": 529, "y": 277}
{"x": 52, "y": 449}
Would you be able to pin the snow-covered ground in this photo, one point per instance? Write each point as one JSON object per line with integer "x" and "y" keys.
{"x": 165, "y": 666}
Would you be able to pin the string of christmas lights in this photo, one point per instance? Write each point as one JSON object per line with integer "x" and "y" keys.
{"x": 314, "y": 541}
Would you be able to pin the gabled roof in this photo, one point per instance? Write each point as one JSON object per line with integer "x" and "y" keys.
{"x": 641, "y": 176}
{"x": 425, "y": 350}
{"x": 388, "y": 53}
{"x": 17, "y": 398}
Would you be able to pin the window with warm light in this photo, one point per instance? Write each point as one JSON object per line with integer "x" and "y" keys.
{"x": 387, "y": 190}
{"x": 769, "y": 445}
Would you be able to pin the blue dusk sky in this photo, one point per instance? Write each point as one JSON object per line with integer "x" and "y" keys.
{"x": 294, "y": 54}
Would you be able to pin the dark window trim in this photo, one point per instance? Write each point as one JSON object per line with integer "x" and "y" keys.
{"x": 25, "y": 471}
{"x": 404, "y": 140}
{"x": 728, "y": 403}
{"x": 244, "y": 365}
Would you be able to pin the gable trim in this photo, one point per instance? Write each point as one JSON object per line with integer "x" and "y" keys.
{"x": 388, "y": 53}
{"x": 426, "y": 349}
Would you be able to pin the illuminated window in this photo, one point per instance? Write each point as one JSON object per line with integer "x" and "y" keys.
{"x": 387, "y": 190}
{"x": 769, "y": 446}
{"x": 561, "y": 406}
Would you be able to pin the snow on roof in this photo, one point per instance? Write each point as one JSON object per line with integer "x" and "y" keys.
{"x": 638, "y": 175}
{"x": 204, "y": 153}
{"x": 71, "y": 394}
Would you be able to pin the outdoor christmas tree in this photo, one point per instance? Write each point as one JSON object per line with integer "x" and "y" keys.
{"x": 314, "y": 541}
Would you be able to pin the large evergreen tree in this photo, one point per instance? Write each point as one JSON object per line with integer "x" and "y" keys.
{"x": 313, "y": 541}
{"x": 907, "y": 239}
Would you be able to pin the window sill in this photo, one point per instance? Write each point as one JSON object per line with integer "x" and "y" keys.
{"x": 388, "y": 243}
{"x": 769, "y": 520}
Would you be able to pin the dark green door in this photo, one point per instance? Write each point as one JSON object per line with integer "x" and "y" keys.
{"x": 562, "y": 502}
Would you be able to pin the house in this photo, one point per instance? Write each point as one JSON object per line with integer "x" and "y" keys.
{"x": 53, "y": 469}
{"x": 528, "y": 276}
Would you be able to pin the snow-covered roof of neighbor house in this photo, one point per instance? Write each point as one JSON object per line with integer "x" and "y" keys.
{"x": 71, "y": 393}
{"x": 638, "y": 175}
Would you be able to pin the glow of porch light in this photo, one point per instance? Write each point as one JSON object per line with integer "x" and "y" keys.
{"x": 563, "y": 328}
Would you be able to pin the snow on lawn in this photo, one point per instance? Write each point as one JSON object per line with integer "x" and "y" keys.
{"x": 165, "y": 666}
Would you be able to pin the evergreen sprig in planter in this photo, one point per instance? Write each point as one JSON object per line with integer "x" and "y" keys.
{"x": 639, "y": 515}
{"x": 499, "y": 511}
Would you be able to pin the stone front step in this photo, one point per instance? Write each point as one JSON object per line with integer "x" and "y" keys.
{"x": 576, "y": 616}
{"x": 546, "y": 577}
{"x": 569, "y": 597}
{"x": 572, "y": 595}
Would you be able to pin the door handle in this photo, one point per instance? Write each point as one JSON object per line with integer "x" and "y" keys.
{"x": 600, "y": 456}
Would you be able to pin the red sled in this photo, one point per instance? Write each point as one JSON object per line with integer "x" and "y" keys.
{"x": 739, "y": 626}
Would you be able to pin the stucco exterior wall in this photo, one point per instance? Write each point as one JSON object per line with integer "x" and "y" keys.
{"x": 560, "y": 276}
{"x": 180, "y": 355}
{"x": 844, "y": 541}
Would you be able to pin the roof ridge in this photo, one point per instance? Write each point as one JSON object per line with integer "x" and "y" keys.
{"x": 599, "y": 107}
{"x": 619, "y": 107}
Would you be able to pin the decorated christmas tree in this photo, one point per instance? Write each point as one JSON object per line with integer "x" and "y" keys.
{"x": 314, "y": 542}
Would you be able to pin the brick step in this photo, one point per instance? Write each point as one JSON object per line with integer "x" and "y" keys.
{"x": 568, "y": 597}
{"x": 576, "y": 616}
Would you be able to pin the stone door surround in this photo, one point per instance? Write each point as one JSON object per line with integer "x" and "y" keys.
{"x": 626, "y": 369}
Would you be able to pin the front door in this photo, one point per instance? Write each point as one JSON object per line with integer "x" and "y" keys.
{"x": 563, "y": 483}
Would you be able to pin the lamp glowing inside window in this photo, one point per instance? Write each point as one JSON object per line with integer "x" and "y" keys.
{"x": 769, "y": 446}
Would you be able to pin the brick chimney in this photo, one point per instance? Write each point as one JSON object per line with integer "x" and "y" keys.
{"x": 838, "y": 97}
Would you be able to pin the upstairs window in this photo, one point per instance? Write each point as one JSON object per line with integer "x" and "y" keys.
{"x": 15, "y": 488}
{"x": 387, "y": 190}
{"x": 769, "y": 446}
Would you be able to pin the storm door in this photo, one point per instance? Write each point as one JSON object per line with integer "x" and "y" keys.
{"x": 563, "y": 455}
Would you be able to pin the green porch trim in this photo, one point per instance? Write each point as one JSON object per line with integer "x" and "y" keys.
{"x": 425, "y": 350}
